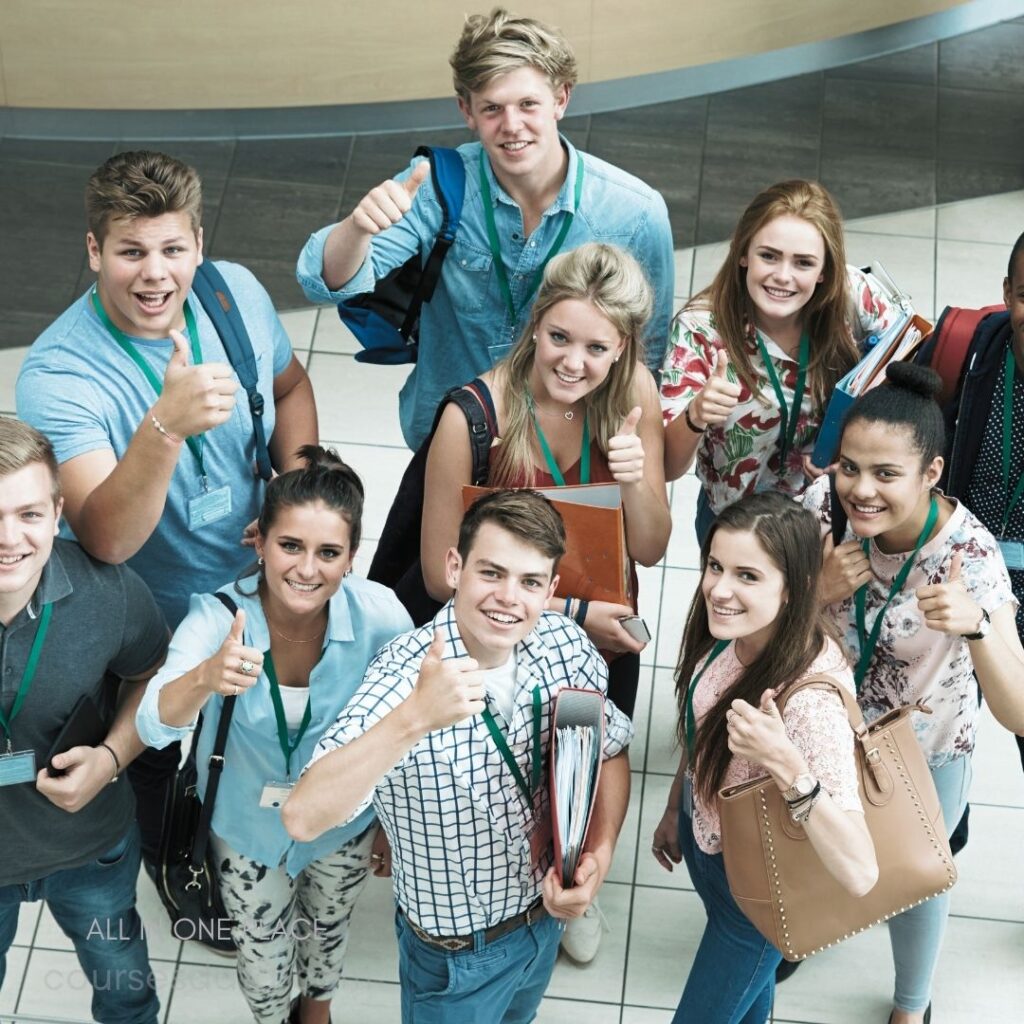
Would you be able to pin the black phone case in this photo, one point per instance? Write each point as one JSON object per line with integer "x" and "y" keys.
{"x": 84, "y": 728}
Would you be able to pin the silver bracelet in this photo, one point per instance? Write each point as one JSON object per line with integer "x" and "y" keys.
{"x": 163, "y": 430}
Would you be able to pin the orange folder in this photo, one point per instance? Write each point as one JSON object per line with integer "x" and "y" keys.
{"x": 595, "y": 565}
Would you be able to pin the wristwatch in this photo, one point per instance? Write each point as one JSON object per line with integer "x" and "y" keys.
{"x": 983, "y": 627}
{"x": 802, "y": 788}
{"x": 802, "y": 811}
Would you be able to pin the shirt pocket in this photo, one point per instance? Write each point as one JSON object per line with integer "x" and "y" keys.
{"x": 467, "y": 275}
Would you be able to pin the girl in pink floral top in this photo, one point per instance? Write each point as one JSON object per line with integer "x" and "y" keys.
{"x": 784, "y": 299}
{"x": 919, "y": 588}
{"x": 753, "y": 629}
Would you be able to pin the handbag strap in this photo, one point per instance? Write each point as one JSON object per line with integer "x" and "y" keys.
{"x": 215, "y": 767}
{"x": 826, "y": 682}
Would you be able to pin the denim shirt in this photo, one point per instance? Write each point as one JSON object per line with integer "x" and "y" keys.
{"x": 363, "y": 617}
{"x": 466, "y": 327}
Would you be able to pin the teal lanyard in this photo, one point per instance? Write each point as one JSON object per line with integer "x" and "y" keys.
{"x": 288, "y": 747}
{"x": 195, "y": 444}
{"x": 1011, "y": 499}
{"x": 502, "y": 744}
{"x": 29, "y": 672}
{"x": 549, "y": 458}
{"x": 492, "y": 237}
{"x": 869, "y": 642}
{"x": 789, "y": 417}
{"x": 691, "y": 726}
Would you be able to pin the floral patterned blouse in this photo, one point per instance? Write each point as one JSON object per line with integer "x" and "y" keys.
{"x": 912, "y": 662}
{"x": 816, "y": 722}
{"x": 741, "y": 456}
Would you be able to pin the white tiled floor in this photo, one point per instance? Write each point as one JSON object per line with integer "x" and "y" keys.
{"x": 954, "y": 254}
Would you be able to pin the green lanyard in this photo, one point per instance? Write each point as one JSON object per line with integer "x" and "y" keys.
{"x": 195, "y": 444}
{"x": 691, "y": 726}
{"x": 29, "y": 672}
{"x": 789, "y": 417}
{"x": 288, "y": 747}
{"x": 1011, "y": 499}
{"x": 502, "y": 744}
{"x": 492, "y": 236}
{"x": 549, "y": 458}
{"x": 869, "y": 642}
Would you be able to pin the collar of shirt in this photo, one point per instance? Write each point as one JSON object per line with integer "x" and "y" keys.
{"x": 564, "y": 200}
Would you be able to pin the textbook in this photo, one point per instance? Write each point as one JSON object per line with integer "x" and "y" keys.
{"x": 595, "y": 565}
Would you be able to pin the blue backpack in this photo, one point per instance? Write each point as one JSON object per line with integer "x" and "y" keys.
{"x": 386, "y": 321}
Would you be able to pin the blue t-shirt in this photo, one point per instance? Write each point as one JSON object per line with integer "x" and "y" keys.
{"x": 79, "y": 388}
{"x": 466, "y": 327}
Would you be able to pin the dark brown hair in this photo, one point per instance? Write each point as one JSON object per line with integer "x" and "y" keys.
{"x": 526, "y": 514}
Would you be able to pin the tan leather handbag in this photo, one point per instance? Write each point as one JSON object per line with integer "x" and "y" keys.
{"x": 779, "y": 881}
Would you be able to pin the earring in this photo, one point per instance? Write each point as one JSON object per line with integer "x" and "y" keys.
{"x": 616, "y": 359}
{"x": 259, "y": 561}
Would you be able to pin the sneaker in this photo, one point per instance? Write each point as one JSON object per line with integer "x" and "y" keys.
{"x": 582, "y": 936}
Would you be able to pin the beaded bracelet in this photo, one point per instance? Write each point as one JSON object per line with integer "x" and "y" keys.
{"x": 163, "y": 430}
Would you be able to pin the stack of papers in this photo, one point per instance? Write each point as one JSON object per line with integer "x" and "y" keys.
{"x": 576, "y": 768}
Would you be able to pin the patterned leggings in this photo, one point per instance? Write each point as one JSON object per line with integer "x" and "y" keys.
{"x": 285, "y": 922}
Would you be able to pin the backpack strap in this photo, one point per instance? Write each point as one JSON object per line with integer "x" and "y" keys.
{"x": 448, "y": 174}
{"x": 478, "y": 407}
{"x": 215, "y": 296}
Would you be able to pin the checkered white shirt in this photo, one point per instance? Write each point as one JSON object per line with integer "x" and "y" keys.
{"x": 457, "y": 822}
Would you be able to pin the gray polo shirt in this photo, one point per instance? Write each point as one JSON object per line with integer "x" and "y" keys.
{"x": 104, "y": 620}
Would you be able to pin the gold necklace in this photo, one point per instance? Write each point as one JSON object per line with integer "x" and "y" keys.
{"x": 293, "y": 640}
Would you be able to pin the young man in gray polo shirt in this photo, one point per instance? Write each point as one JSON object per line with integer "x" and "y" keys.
{"x": 69, "y": 624}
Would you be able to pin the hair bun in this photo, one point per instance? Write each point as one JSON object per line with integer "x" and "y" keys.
{"x": 921, "y": 380}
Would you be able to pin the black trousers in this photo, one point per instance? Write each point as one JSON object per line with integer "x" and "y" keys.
{"x": 150, "y": 775}
{"x": 623, "y": 679}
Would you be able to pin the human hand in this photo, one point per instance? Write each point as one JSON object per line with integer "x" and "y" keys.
{"x": 250, "y": 533}
{"x": 447, "y": 691}
{"x": 195, "y": 398}
{"x": 947, "y": 607}
{"x": 665, "y": 844}
{"x": 844, "y": 570}
{"x": 86, "y": 771}
{"x": 603, "y": 627}
{"x": 388, "y": 202}
{"x": 234, "y": 667}
{"x": 380, "y": 856}
{"x": 626, "y": 451}
{"x": 811, "y": 471}
{"x": 718, "y": 397}
{"x": 758, "y": 734}
{"x": 566, "y": 903}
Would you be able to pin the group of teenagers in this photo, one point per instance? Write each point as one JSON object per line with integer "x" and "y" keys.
{"x": 145, "y": 562}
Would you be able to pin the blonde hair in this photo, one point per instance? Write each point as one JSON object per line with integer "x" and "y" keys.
{"x": 612, "y": 280}
{"x": 825, "y": 317}
{"x": 495, "y": 44}
{"x": 141, "y": 183}
{"x": 21, "y": 446}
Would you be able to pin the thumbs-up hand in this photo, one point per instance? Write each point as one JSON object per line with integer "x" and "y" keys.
{"x": 195, "y": 398}
{"x": 758, "y": 734}
{"x": 844, "y": 570}
{"x": 447, "y": 690}
{"x": 234, "y": 667}
{"x": 389, "y": 202}
{"x": 626, "y": 450}
{"x": 713, "y": 403}
{"x": 948, "y": 607}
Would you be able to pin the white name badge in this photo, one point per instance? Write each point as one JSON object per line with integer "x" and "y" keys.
{"x": 275, "y": 793}
{"x": 1013, "y": 553}
{"x": 208, "y": 507}
{"x": 17, "y": 767}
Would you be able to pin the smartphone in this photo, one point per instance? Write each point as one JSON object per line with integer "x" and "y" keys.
{"x": 83, "y": 728}
{"x": 636, "y": 628}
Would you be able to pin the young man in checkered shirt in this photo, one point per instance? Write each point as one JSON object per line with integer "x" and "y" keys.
{"x": 480, "y": 904}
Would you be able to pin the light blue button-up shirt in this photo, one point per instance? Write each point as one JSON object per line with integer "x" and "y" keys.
{"x": 363, "y": 617}
{"x": 466, "y": 327}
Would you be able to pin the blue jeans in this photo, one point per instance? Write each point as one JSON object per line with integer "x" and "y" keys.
{"x": 732, "y": 980}
{"x": 916, "y": 935}
{"x": 95, "y": 907}
{"x": 501, "y": 982}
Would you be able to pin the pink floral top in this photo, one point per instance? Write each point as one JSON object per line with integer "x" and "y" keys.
{"x": 741, "y": 456}
{"x": 911, "y": 662}
{"x": 816, "y": 722}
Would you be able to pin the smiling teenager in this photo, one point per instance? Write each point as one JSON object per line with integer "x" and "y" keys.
{"x": 298, "y": 646}
{"x": 451, "y": 721}
{"x": 753, "y": 629}
{"x": 754, "y": 356}
{"x": 529, "y": 194}
{"x": 919, "y": 589}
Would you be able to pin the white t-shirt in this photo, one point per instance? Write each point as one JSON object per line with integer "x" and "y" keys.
{"x": 500, "y": 684}
{"x": 293, "y": 700}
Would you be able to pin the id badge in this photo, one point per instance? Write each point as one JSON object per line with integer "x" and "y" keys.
{"x": 208, "y": 507}
{"x": 1013, "y": 553}
{"x": 686, "y": 804}
{"x": 541, "y": 838}
{"x": 275, "y": 793}
{"x": 17, "y": 767}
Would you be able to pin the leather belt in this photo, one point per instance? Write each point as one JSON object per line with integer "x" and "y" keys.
{"x": 457, "y": 943}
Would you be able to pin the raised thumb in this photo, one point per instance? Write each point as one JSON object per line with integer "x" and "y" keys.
{"x": 179, "y": 357}
{"x": 420, "y": 173}
{"x": 954, "y": 568}
{"x": 828, "y": 545}
{"x": 237, "y": 627}
{"x": 768, "y": 703}
{"x": 630, "y": 422}
{"x": 435, "y": 652}
{"x": 721, "y": 363}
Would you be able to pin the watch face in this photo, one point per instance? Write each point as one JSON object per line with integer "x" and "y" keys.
{"x": 802, "y": 785}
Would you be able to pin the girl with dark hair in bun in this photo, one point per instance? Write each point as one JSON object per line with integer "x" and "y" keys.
{"x": 298, "y": 647}
{"x": 920, "y": 590}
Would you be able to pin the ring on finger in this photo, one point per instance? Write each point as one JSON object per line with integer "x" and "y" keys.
{"x": 245, "y": 666}
{"x": 236, "y": 691}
